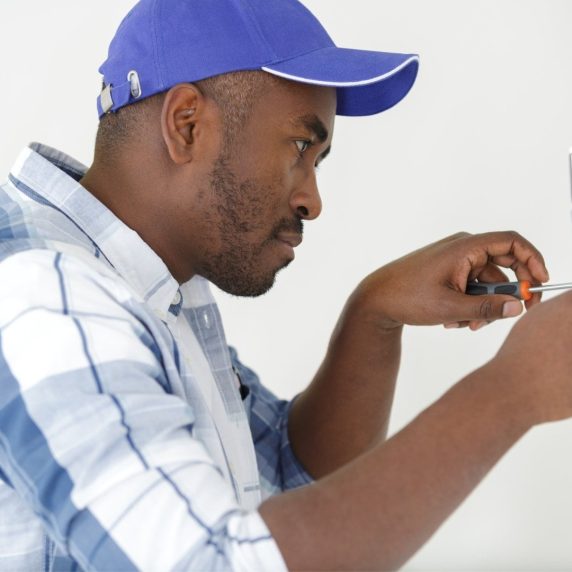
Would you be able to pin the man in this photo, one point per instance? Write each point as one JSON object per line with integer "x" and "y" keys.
{"x": 131, "y": 436}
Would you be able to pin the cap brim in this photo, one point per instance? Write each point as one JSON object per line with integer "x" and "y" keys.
{"x": 367, "y": 82}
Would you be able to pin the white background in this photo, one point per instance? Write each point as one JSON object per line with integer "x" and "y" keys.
{"x": 479, "y": 144}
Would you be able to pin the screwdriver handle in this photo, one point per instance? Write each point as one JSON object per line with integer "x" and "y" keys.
{"x": 519, "y": 290}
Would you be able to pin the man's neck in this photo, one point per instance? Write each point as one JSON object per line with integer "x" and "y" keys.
{"x": 134, "y": 196}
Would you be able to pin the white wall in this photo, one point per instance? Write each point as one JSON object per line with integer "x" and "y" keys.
{"x": 479, "y": 144}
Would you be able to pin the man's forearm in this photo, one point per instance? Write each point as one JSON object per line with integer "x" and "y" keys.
{"x": 346, "y": 408}
{"x": 395, "y": 496}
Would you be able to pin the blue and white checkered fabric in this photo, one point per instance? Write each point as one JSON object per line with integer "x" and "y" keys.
{"x": 107, "y": 454}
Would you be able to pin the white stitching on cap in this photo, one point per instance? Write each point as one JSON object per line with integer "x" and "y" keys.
{"x": 342, "y": 83}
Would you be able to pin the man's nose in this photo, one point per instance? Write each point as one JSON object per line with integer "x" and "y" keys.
{"x": 306, "y": 201}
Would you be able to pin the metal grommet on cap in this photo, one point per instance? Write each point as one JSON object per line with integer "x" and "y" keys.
{"x": 133, "y": 78}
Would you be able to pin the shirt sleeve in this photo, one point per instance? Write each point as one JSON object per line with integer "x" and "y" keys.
{"x": 93, "y": 441}
{"x": 280, "y": 470}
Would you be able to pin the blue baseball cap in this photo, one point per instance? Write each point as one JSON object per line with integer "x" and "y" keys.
{"x": 161, "y": 43}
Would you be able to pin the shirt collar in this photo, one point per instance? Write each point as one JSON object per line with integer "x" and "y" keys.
{"x": 55, "y": 176}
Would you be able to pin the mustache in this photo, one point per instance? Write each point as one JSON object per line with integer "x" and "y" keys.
{"x": 289, "y": 225}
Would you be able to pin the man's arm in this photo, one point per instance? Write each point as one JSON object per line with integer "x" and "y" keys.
{"x": 374, "y": 513}
{"x": 346, "y": 408}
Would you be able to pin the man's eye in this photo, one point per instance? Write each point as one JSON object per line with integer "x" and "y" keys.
{"x": 302, "y": 145}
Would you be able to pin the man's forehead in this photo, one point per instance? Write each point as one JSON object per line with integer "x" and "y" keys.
{"x": 308, "y": 106}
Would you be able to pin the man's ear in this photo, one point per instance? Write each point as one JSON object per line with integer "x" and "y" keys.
{"x": 184, "y": 115}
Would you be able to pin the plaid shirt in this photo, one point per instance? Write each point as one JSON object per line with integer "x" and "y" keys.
{"x": 109, "y": 456}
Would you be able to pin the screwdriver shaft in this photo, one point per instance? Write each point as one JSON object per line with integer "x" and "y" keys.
{"x": 548, "y": 287}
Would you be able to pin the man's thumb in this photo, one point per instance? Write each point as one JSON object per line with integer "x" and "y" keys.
{"x": 511, "y": 308}
{"x": 490, "y": 307}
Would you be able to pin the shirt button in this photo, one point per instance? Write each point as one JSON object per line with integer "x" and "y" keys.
{"x": 177, "y": 299}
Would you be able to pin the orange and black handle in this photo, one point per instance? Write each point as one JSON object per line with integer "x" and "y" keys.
{"x": 519, "y": 290}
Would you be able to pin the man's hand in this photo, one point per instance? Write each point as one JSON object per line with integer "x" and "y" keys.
{"x": 427, "y": 287}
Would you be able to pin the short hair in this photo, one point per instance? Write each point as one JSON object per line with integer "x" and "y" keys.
{"x": 234, "y": 93}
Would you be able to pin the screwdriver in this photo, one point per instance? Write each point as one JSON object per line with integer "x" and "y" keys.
{"x": 522, "y": 289}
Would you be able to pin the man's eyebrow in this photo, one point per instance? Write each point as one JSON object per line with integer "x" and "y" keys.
{"x": 325, "y": 153}
{"x": 313, "y": 124}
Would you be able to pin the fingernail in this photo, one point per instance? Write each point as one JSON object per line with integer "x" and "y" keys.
{"x": 451, "y": 325}
{"x": 511, "y": 309}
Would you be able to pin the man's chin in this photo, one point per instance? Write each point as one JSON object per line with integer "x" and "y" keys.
{"x": 247, "y": 290}
{"x": 247, "y": 286}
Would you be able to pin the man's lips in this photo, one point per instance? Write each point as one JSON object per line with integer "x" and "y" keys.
{"x": 292, "y": 239}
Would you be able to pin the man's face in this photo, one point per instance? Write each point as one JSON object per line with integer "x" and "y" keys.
{"x": 261, "y": 187}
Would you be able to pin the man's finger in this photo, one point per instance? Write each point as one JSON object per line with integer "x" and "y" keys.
{"x": 456, "y": 325}
{"x": 492, "y": 273}
{"x": 478, "y": 324}
{"x": 482, "y": 308}
{"x": 511, "y": 250}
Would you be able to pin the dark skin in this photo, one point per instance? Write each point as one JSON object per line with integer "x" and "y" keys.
{"x": 377, "y": 500}
{"x": 270, "y": 173}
